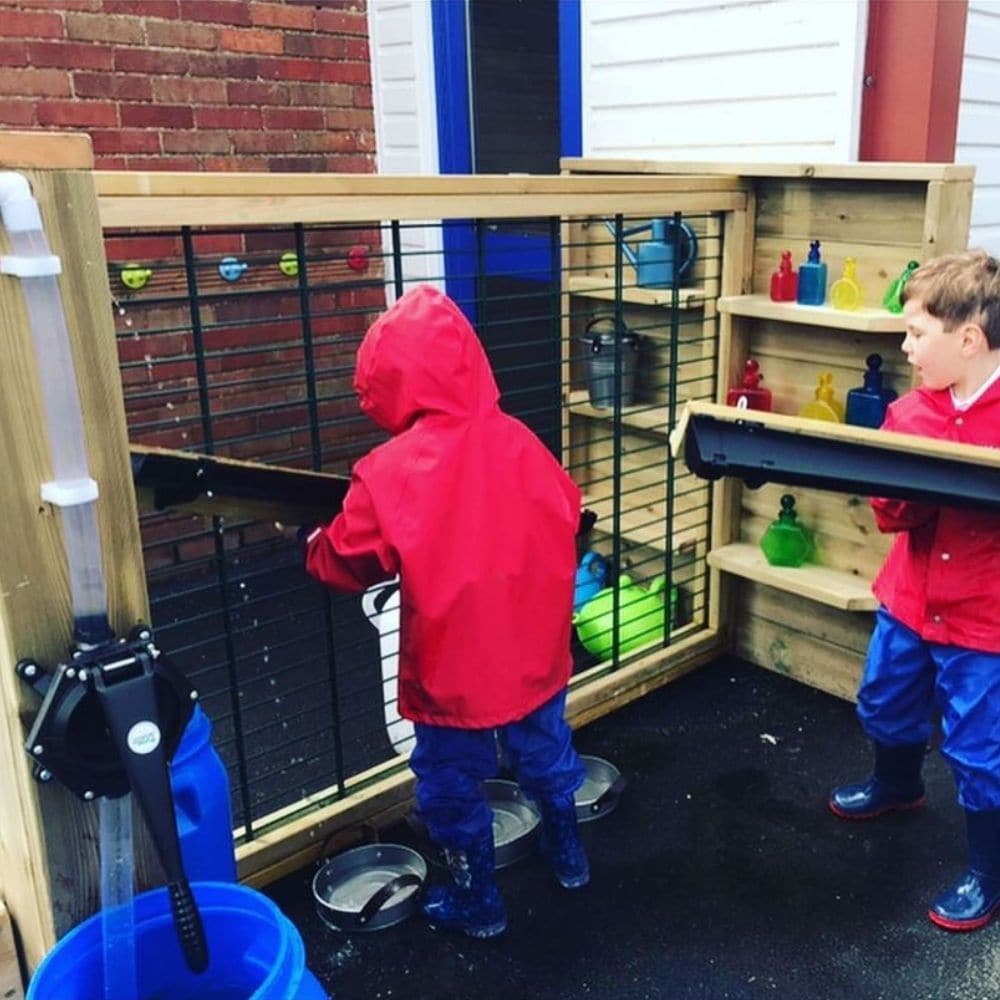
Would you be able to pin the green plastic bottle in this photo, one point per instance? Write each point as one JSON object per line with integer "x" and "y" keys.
{"x": 786, "y": 542}
{"x": 891, "y": 300}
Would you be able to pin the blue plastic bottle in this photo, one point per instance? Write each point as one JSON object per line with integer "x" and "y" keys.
{"x": 201, "y": 800}
{"x": 812, "y": 278}
{"x": 866, "y": 405}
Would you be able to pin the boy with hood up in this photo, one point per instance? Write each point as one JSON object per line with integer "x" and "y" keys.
{"x": 479, "y": 520}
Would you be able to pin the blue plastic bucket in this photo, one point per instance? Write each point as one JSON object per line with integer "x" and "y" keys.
{"x": 255, "y": 953}
{"x": 200, "y": 787}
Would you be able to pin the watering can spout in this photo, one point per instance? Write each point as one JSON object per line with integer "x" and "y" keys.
{"x": 626, "y": 249}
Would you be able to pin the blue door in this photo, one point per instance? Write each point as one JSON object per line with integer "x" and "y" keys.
{"x": 508, "y": 99}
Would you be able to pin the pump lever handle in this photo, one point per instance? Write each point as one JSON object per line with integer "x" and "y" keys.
{"x": 187, "y": 923}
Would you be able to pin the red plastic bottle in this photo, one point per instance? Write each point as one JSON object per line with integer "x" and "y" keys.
{"x": 756, "y": 397}
{"x": 784, "y": 281}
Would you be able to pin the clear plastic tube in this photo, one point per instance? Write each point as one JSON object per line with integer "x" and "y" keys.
{"x": 60, "y": 400}
{"x": 117, "y": 906}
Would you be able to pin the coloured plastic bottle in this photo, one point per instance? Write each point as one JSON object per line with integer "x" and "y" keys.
{"x": 812, "y": 278}
{"x": 786, "y": 542}
{"x": 846, "y": 292}
{"x": 866, "y": 405}
{"x": 824, "y": 406}
{"x": 784, "y": 281}
{"x": 756, "y": 397}
{"x": 892, "y": 300}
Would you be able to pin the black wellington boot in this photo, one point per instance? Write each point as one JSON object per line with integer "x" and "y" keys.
{"x": 894, "y": 785}
{"x": 973, "y": 900}
{"x": 471, "y": 903}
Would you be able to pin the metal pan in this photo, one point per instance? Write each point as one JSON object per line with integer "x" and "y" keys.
{"x": 368, "y": 888}
{"x": 516, "y": 821}
{"x": 601, "y": 789}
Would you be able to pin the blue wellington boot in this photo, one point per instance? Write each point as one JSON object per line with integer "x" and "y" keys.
{"x": 894, "y": 785}
{"x": 973, "y": 900}
{"x": 472, "y": 903}
{"x": 561, "y": 845}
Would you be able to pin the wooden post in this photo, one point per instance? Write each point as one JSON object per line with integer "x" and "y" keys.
{"x": 49, "y": 859}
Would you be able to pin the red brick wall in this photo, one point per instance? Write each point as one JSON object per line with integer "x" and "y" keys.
{"x": 216, "y": 85}
{"x": 194, "y": 84}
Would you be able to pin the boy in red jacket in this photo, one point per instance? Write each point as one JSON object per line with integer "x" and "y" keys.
{"x": 479, "y": 520}
{"x": 937, "y": 632}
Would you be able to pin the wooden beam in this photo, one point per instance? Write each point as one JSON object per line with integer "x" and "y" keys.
{"x": 885, "y": 171}
{"x": 48, "y": 862}
{"x": 46, "y": 151}
{"x": 161, "y": 200}
{"x": 11, "y": 987}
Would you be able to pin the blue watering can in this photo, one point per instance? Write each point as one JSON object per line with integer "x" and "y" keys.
{"x": 590, "y": 577}
{"x": 655, "y": 260}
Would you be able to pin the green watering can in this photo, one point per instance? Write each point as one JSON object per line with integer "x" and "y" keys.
{"x": 641, "y": 617}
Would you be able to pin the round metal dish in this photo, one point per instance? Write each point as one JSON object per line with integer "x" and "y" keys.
{"x": 368, "y": 888}
{"x": 600, "y": 791}
{"x": 516, "y": 821}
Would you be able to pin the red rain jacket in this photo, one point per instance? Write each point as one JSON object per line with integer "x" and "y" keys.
{"x": 940, "y": 577}
{"x": 473, "y": 512}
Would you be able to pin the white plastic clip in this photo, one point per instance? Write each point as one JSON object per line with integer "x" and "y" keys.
{"x": 69, "y": 492}
{"x": 30, "y": 267}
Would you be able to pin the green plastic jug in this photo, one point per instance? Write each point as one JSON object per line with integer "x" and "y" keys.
{"x": 641, "y": 617}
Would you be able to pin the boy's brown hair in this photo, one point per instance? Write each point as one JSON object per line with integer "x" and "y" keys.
{"x": 960, "y": 288}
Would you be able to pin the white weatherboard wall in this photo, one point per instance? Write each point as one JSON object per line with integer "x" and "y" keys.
{"x": 402, "y": 60}
{"x": 758, "y": 80}
{"x": 979, "y": 120}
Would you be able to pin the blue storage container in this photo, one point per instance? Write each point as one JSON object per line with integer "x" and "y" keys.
{"x": 255, "y": 953}
{"x": 201, "y": 800}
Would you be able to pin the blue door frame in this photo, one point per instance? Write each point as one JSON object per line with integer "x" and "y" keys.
{"x": 501, "y": 252}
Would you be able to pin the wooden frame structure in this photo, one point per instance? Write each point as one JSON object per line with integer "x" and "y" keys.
{"x": 49, "y": 859}
{"x": 48, "y": 855}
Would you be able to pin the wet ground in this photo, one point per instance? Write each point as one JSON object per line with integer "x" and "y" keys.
{"x": 721, "y": 874}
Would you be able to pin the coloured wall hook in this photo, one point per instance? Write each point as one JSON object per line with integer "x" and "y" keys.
{"x": 232, "y": 268}
{"x": 134, "y": 276}
{"x": 288, "y": 264}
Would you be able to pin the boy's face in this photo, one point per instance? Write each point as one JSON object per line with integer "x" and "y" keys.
{"x": 936, "y": 353}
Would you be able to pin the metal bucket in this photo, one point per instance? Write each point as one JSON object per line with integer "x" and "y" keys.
{"x": 516, "y": 821}
{"x": 601, "y": 789}
{"x": 368, "y": 888}
{"x": 602, "y": 342}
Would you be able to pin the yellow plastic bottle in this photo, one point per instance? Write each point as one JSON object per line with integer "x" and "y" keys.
{"x": 846, "y": 292}
{"x": 824, "y": 406}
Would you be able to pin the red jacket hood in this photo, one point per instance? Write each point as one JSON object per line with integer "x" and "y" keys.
{"x": 422, "y": 356}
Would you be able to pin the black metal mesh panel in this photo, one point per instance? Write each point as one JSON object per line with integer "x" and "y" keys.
{"x": 241, "y": 343}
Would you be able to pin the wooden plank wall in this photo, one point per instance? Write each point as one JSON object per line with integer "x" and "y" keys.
{"x": 883, "y": 223}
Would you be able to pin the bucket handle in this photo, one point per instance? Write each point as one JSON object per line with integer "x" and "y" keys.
{"x": 609, "y": 795}
{"x": 378, "y": 899}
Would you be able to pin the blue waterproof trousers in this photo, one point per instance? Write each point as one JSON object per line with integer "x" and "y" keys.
{"x": 451, "y": 764}
{"x": 905, "y": 678}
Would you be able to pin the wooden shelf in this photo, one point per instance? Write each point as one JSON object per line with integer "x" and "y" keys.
{"x": 816, "y": 583}
{"x": 860, "y": 320}
{"x": 651, "y": 419}
{"x": 599, "y": 286}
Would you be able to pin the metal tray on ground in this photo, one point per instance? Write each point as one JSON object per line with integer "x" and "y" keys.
{"x": 368, "y": 888}
{"x": 516, "y": 821}
{"x": 600, "y": 791}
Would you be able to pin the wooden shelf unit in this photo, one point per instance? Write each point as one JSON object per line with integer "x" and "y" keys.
{"x": 650, "y": 419}
{"x": 805, "y": 622}
{"x": 816, "y": 583}
{"x": 859, "y": 320}
{"x": 598, "y": 286}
